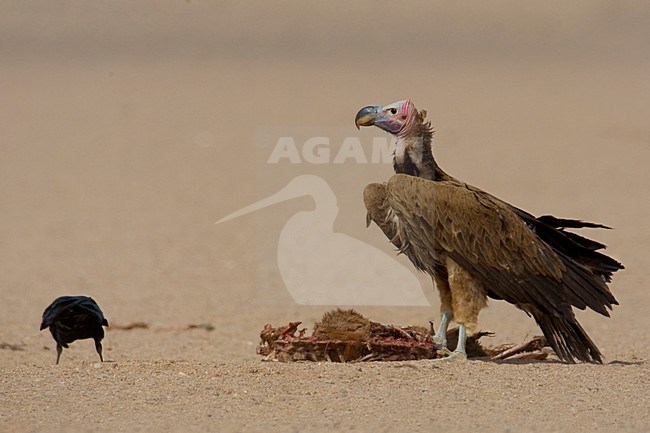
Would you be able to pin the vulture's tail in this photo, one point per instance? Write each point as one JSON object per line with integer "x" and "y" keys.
{"x": 567, "y": 338}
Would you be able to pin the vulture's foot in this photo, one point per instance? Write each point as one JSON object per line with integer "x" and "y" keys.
{"x": 460, "y": 354}
{"x": 455, "y": 356}
{"x": 440, "y": 342}
{"x": 443, "y": 351}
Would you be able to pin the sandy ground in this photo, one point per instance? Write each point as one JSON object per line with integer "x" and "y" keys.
{"x": 127, "y": 131}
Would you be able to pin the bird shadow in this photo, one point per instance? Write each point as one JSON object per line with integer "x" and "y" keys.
{"x": 547, "y": 361}
{"x": 11, "y": 346}
{"x": 518, "y": 361}
{"x": 619, "y": 362}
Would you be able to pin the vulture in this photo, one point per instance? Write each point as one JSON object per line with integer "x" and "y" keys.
{"x": 73, "y": 318}
{"x": 476, "y": 246}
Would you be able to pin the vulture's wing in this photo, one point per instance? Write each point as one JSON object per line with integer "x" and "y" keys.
{"x": 487, "y": 239}
{"x": 375, "y": 198}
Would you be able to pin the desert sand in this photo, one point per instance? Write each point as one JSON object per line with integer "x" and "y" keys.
{"x": 128, "y": 129}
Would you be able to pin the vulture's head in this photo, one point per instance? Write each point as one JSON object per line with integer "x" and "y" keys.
{"x": 397, "y": 118}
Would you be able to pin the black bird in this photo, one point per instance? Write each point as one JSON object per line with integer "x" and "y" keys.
{"x": 73, "y": 318}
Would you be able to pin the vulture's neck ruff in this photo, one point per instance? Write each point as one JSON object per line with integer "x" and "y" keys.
{"x": 413, "y": 149}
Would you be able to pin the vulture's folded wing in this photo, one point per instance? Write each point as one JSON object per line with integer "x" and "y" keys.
{"x": 497, "y": 248}
{"x": 375, "y": 198}
{"x": 494, "y": 245}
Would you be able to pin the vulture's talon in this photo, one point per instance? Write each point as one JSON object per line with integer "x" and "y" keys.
{"x": 455, "y": 356}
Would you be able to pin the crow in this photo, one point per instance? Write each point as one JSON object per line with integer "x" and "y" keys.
{"x": 73, "y": 318}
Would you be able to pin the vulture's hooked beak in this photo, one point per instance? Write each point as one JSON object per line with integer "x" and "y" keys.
{"x": 366, "y": 116}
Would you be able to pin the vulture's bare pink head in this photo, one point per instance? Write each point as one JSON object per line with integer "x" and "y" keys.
{"x": 397, "y": 118}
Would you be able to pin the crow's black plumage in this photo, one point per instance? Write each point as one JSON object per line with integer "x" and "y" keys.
{"x": 73, "y": 318}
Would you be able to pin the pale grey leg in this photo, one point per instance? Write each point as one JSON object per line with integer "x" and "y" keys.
{"x": 462, "y": 338}
{"x": 441, "y": 333}
{"x": 459, "y": 354}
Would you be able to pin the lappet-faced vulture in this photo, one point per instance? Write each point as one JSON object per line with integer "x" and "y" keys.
{"x": 476, "y": 246}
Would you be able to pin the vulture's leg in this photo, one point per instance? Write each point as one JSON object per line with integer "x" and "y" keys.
{"x": 98, "y": 347}
{"x": 462, "y": 338}
{"x": 440, "y": 339}
{"x": 441, "y": 332}
{"x": 468, "y": 297}
{"x": 59, "y": 349}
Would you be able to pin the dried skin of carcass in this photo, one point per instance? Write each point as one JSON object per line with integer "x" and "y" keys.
{"x": 347, "y": 336}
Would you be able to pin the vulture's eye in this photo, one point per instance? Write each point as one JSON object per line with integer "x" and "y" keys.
{"x": 393, "y": 111}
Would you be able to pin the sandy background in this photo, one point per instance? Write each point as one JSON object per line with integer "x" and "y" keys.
{"x": 127, "y": 130}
